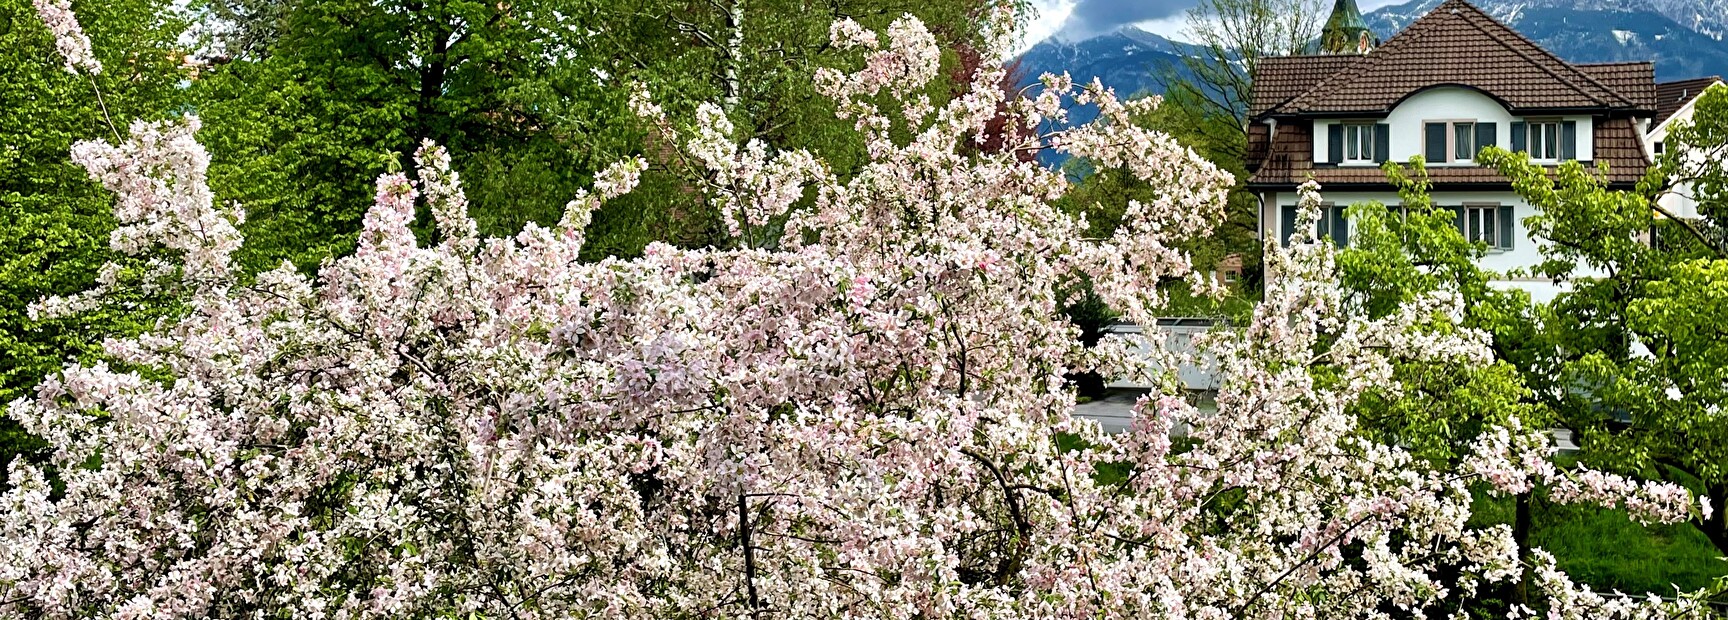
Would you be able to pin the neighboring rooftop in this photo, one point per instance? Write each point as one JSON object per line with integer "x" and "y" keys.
{"x": 1671, "y": 96}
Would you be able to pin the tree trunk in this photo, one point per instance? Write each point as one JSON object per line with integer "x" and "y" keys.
{"x": 1521, "y": 522}
{"x": 734, "y": 54}
{"x": 432, "y": 75}
{"x": 1716, "y": 527}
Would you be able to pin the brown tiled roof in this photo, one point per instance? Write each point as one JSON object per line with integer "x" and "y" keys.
{"x": 1671, "y": 96}
{"x": 1634, "y": 80}
{"x": 1279, "y": 78}
{"x": 1290, "y": 156}
{"x": 1456, "y": 44}
{"x": 1259, "y": 138}
{"x": 1617, "y": 146}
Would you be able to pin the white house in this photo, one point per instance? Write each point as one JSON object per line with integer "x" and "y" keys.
{"x": 1452, "y": 82}
{"x": 1674, "y": 104}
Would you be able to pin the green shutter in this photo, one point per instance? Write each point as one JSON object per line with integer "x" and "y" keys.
{"x": 1458, "y": 220}
{"x": 1519, "y": 134}
{"x": 1569, "y": 140}
{"x": 1435, "y": 150}
{"x": 1486, "y": 136}
{"x": 1340, "y": 226}
{"x": 1382, "y": 142}
{"x": 1506, "y": 227}
{"x": 1289, "y": 225}
{"x": 1335, "y": 142}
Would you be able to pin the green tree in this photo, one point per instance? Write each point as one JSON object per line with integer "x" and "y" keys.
{"x": 54, "y": 221}
{"x": 1396, "y": 256}
{"x": 529, "y": 96}
{"x": 1633, "y": 362}
{"x": 1398, "y": 253}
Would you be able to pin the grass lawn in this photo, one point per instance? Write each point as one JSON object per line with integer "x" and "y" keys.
{"x": 1608, "y": 551}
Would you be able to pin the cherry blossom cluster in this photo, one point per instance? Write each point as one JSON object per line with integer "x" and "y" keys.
{"x": 865, "y": 418}
{"x": 1514, "y": 460}
{"x": 69, "y": 37}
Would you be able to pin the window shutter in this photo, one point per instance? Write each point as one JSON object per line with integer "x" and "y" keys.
{"x": 1435, "y": 150}
{"x": 1485, "y": 137}
{"x": 1458, "y": 220}
{"x": 1340, "y": 226}
{"x": 1506, "y": 227}
{"x": 1382, "y": 142}
{"x": 1569, "y": 140}
{"x": 1289, "y": 226}
{"x": 1335, "y": 142}
{"x": 1518, "y": 136}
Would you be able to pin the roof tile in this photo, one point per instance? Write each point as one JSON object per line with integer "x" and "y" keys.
{"x": 1456, "y": 43}
{"x": 1671, "y": 96}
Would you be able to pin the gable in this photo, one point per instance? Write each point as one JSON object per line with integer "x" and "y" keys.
{"x": 1457, "y": 44}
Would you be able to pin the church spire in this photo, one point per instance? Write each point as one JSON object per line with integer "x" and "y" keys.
{"x": 1346, "y": 32}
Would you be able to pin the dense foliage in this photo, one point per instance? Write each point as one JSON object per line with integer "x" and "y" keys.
{"x": 527, "y": 96}
{"x": 1633, "y": 357}
{"x": 54, "y": 221}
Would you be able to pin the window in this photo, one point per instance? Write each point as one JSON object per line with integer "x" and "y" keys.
{"x": 1658, "y": 147}
{"x": 1456, "y": 140}
{"x": 1545, "y": 141}
{"x": 1463, "y": 141}
{"x": 1331, "y": 225}
{"x": 1490, "y": 225}
{"x": 1358, "y": 143}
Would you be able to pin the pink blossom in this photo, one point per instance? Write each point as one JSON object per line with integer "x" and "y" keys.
{"x": 69, "y": 37}
{"x": 838, "y": 418}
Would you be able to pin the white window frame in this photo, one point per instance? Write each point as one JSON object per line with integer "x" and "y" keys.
{"x": 1358, "y": 143}
{"x": 1482, "y": 219}
{"x": 1469, "y": 155}
{"x": 1542, "y": 140}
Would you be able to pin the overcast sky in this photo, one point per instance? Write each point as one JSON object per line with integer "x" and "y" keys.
{"x": 1082, "y": 19}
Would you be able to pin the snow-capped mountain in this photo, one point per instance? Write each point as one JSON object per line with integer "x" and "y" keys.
{"x": 1684, "y": 37}
{"x": 1129, "y": 60}
{"x": 1707, "y": 17}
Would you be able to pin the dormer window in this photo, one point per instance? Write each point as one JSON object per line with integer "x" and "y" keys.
{"x": 1358, "y": 143}
{"x": 1354, "y": 143}
{"x": 1456, "y": 141}
{"x": 1545, "y": 141}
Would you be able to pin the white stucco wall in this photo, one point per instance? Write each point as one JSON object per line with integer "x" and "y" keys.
{"x": 1524, "y": 254}
{"x": 1678, "y": 202}
{"x": 1448, "y": 104}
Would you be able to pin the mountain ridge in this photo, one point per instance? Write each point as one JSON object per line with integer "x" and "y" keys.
{"x": 1685, "y": 38}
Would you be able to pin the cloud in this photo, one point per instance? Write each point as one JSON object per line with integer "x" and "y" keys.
{"x": 1047, "y": 18}
{"x": 1091, "y": 18}
{"x": 1078, "y": 20}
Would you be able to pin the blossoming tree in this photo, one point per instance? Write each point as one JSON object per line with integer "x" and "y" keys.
{"x": 868, "y": 420}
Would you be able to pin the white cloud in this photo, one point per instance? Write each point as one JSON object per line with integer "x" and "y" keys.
{"x": 1047, "y": 18}
{"x": 1170, "y": 27}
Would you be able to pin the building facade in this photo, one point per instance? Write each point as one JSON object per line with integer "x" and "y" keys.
{"x": 1674, "y": 104}
{"x": 1452, "y": 82}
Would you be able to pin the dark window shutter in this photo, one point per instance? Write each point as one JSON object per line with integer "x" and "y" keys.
{"x": 1569, "y": 140}
{"x": 1382, "y": 142}
{"x": 1436, "y": 142}
{"x": 1335, "y": 142}
{"x": 1486, "y": 136}
{"x": 1289, "y": 226}
{"x": 1340, "y": 226}
{"x": 1518, "y": 137}
{"x": 1458, "y": 220}
{"x": 1506, "y": 227}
